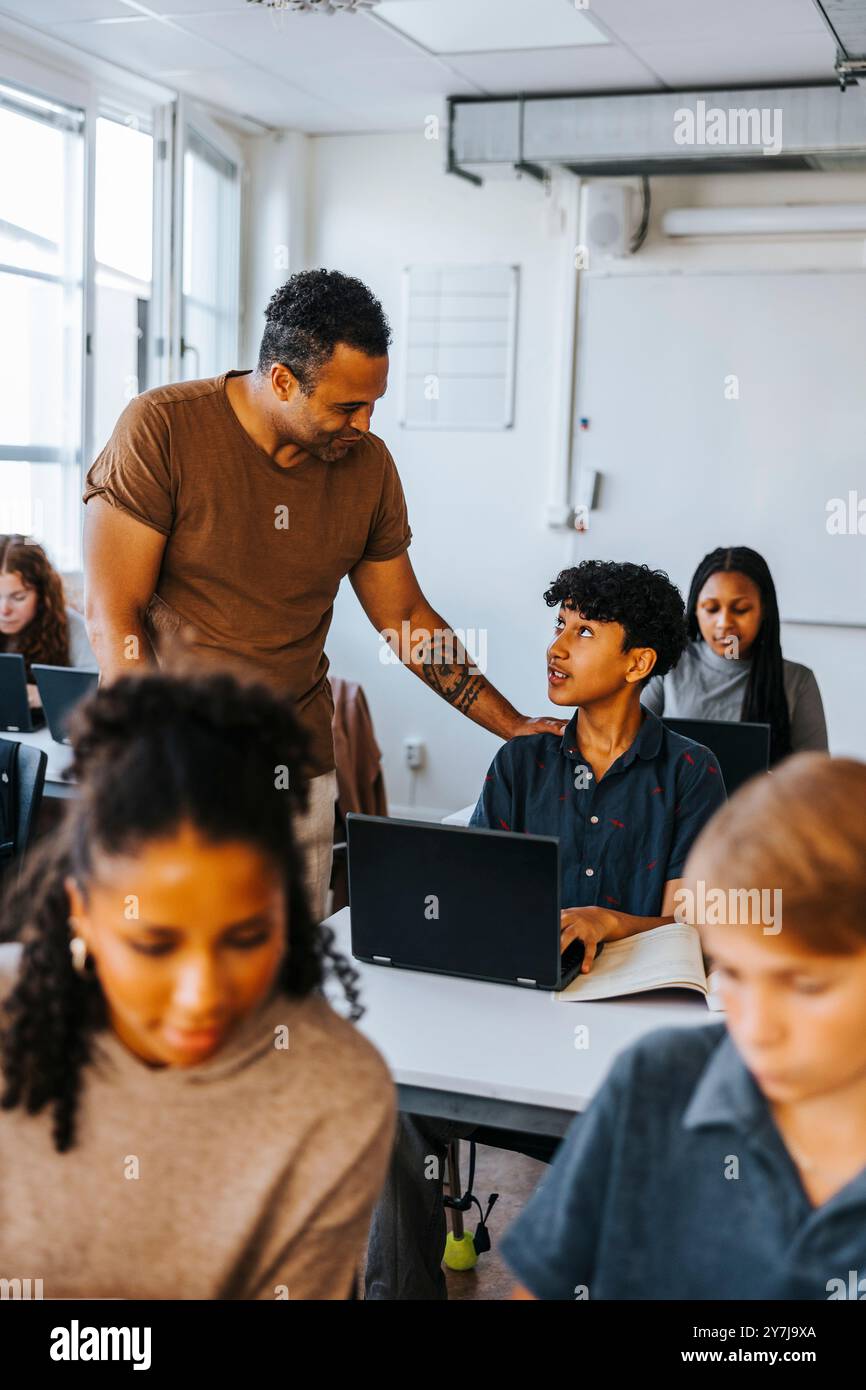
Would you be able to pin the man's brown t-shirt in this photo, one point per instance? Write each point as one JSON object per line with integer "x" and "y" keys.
{"x": 254, "y": 552}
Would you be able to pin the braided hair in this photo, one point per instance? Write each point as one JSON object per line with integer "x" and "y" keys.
{"x": 764, "y": 701}
{"x": 151, "y": 752}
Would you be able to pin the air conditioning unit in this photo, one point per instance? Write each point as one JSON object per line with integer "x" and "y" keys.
{"x": 731, "y": 131}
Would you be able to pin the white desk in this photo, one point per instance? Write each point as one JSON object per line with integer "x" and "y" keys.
{"x": 459, "y": 817}
{"x": 59, "y": 758}
{"x": 497, "y": 1054}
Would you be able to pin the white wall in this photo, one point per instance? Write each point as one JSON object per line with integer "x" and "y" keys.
{"x": 482, "y": 548}
{"x": 274, "y": 237}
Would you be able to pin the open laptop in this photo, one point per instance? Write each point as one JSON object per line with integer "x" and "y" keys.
{"x": 457, "y": 901}
{"x": 742, "y": 750}
{"x": 16, "y": 716}
{"x": 60, "y": 689}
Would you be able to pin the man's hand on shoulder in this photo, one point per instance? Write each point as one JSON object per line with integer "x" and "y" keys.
{"x": 542, "y": 725}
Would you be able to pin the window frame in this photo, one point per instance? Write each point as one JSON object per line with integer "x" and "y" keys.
{"x": 192, "y": 119}
{"x": 74, "y": 96}
{"x": 56, "y": 73}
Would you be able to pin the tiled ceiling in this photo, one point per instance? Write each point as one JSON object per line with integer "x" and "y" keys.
{"x": 354, "y": 72}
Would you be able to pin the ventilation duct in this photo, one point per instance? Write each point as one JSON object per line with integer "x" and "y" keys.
{"x": 724, "y": 131}
{"x": 846, "y": 20}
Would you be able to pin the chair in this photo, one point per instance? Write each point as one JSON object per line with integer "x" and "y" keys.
{"x": 31, "y": 782}
{"x": 360, "y": 783}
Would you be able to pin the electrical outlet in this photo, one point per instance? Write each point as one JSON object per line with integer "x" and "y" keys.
{"x": 413, "y": 752}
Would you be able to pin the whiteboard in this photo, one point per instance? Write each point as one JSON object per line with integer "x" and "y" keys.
{"x": 680, "y": 457}
{"x": 459, "y": 330}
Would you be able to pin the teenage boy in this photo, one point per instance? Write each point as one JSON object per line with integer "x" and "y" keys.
{"x": 626, "y": 798}
{"x": 729, "y": 1161}
{"x": 623, "y": 794}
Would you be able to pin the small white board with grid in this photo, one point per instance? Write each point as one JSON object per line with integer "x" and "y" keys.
{"x": 459, "y": 333}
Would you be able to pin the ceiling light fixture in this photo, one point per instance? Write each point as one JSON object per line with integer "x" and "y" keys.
{"x": 487, "y": 26}
{"x": 317, "y": 6}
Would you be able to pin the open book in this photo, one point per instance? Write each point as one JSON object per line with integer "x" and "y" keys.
{"x": 668, "y": 957}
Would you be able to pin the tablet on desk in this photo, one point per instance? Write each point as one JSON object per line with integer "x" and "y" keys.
{"x": 61, "y": 689}
{"x": 16, "y": 716}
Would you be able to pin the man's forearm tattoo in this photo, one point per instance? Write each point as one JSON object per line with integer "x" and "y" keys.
{"x": 452, "y": 674}
{"x": 455, "y": 684}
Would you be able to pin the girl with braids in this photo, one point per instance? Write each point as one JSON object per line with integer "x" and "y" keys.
{"x": 182, "y": 1113}
{"x": 34, "y": 619}
{"x": 733, "y": 667}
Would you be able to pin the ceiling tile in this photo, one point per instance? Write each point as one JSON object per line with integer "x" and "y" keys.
{"x": 55, "y": 11}
{"x": 185, "y": 7}
{"x": 289, "y": 38}
{"x": 799, "y": 57}
{"x": 249, "y": 92}
{"x": 143, "y": 45}
{"x": 360, "y": 82}
{"x": 360, "y": 69}
{"x": 551, "y": 70}
{"x": 676, "y": 21}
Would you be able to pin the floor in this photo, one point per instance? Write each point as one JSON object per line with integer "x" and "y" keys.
{"x": 515, "y": 1177}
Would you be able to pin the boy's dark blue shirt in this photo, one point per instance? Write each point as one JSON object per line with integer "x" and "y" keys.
{"x": 621, "y": 840}
{"x": 676, "y": 1184}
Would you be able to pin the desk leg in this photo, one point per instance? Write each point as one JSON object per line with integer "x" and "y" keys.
{"x": 454, "y": 1188}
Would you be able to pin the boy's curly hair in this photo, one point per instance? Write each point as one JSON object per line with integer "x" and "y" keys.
{"x": 644, "y": 601}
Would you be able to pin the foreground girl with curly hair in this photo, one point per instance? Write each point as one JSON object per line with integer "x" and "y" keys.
{"x": 183, "y": 1113}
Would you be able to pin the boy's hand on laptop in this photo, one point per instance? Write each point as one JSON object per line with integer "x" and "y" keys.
{"x": 542, "y": 725}
{"x": 591, "y": 925}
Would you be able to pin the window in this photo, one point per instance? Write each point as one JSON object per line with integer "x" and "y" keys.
{"x": 41, "y": 307}
{"x": 210, "y": 259}
{"x": 123, "y": 250}
{"x": 119, "y": 271}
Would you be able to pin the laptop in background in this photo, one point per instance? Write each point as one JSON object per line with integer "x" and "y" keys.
{"x": 16, "y": 716}
{"x": 742, "y": 750}
{"x": 61, "y": 688}
{"x": 455, "y": 900}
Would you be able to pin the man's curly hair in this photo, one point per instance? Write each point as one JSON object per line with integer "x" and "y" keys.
{"x": 314, "y": 311}
{"x": 151, "y": 752}
{"x": 644, "y": 601}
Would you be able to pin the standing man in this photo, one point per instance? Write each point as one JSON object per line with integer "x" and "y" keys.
{"x": 226, "y": 512}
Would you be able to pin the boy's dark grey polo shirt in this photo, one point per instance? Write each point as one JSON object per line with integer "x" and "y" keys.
{"x": 619, "y": 840}
{"x": 676, "y": 1184}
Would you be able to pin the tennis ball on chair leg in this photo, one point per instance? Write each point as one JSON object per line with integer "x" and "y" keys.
{"x": 460, "y": 1254}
